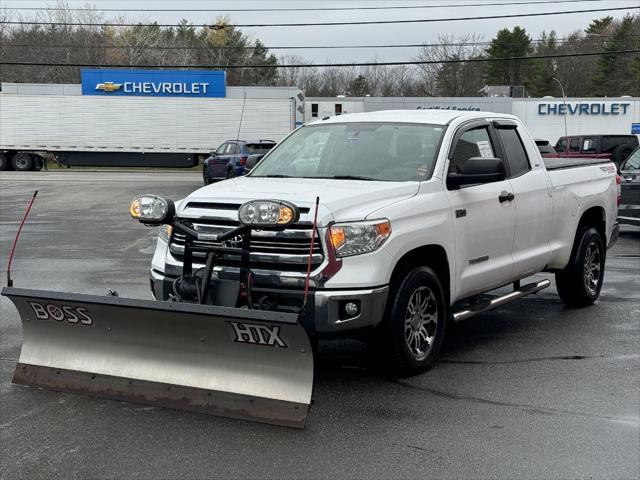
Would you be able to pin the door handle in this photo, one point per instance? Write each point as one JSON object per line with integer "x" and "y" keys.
{"x": 506, "y": 197}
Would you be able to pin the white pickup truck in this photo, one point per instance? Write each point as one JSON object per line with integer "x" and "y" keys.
{"x": 420, "y": 214}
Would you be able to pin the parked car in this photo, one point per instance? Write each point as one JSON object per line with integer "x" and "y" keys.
{"x": 545, "y": 148}
{"x": 614, "y": 147}
{"x": 629, "y": 209}
{"x": 230, "y": 159}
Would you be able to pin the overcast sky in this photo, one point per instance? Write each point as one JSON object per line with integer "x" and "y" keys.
{"x": 364, "y": 34}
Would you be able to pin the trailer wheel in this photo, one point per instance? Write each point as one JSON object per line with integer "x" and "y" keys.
{"x": 22, "y": 162}
{"x": 3, "y": 162}
{"x": 580, "y": 282}
{"x": 411, "y": 335}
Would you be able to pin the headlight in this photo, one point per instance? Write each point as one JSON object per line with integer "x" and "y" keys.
{"x": 356, "y": 238}
{"x": 268, "y": 213}
{"x": 165, "y": 233}
{"x": 151, "y": 209}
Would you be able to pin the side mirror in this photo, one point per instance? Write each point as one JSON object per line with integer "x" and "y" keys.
{"x": 253, "y": 160}
{"x": 478, "y": 170}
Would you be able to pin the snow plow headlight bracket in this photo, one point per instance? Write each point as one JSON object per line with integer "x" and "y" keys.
{"x": 152, "y": 210}
{"x": 268, "y": 214}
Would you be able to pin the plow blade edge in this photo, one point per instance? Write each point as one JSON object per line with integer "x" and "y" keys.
{"x": 239, "y": 363}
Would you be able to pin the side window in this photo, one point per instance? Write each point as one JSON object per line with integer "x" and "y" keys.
{"x": 514, "y": 151}
{"x": 314, "y": 110}
{"x": 575, "y": 145}
{"x": 561, "y": 146}
{"x": 338, "y": 109}
{"x": 472, "y": 143}
{"x": 590, "y": 145}
{"x": 233, "y": 148}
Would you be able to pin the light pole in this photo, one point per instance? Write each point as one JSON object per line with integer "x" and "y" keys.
{"x": 564, "y": 102}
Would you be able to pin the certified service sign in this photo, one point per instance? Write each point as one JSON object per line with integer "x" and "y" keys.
{"x": 153, "y": 83}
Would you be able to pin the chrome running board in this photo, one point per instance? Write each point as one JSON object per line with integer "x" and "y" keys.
{"x": 517, "y": 293}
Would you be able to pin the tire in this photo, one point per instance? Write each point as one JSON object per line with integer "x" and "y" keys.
{"x": 205, "y": 179}
{"x": 22, "y": 162}
{"x": 620, "y": 153}
{"x": 580, "y": 282}
{"x": 230, "y": 173}
{"x": 3, "y": 162}
{"x": 407, "y": 343}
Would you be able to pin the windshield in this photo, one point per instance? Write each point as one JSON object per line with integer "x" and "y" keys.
{"x": 394, "y": 152}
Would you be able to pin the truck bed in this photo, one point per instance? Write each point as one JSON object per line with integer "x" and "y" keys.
{"x": 559, "y": 163}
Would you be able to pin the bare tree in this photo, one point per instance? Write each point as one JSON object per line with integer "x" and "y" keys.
{"x": 452, "y": 79}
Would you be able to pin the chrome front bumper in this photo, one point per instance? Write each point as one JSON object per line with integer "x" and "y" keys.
{"x": 328, "y": 316}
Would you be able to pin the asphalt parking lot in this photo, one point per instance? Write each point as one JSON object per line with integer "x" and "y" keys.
{"x": 533, "y": 390}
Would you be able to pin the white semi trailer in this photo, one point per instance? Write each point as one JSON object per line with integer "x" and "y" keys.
{"x": 44, "y": 120}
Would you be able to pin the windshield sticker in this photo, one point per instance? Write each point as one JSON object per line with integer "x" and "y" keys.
{"x": 485, "y": 148}
{"x": 422, "y": 170}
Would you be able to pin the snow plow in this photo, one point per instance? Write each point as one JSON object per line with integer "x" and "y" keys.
{"x": 207, "y": 350}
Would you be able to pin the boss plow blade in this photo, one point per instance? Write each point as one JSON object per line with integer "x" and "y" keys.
{"x": 240, "y": 363}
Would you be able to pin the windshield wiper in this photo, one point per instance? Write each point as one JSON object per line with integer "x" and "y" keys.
{"x": 351, "y": 177}
{"x": 273, "y": 175}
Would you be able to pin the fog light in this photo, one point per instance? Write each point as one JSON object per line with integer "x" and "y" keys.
{"x": 351, "y": 309}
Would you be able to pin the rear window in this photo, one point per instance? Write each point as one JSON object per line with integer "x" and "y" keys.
{"x": 255, "y": 148}
{"x": 516, "y": 155}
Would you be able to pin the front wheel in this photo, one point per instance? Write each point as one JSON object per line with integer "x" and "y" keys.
{"x": 410, "y": 337}
{"x": 580, "y": 282}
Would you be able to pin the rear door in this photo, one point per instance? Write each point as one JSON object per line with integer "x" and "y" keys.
{"x": 532, "y": 199}
{"x": 483, "y": 225}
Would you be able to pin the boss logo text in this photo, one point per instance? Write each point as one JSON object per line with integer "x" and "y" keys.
{"x": 61, "y": 313}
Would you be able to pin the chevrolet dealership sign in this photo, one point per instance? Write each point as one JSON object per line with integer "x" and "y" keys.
{"x": 150, "y": 83}
{"x": 595, "y": 108}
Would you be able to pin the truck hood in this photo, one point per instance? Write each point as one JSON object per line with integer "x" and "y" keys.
{"x": 342, "y": 200}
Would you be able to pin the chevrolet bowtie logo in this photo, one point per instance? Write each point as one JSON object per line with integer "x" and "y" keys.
{"x": 108, "y": 86}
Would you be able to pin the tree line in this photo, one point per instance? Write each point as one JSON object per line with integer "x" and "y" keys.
{"x": 188, "y": 45}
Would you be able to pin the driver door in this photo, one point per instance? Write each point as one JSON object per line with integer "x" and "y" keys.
{"x": 484, "y": 226}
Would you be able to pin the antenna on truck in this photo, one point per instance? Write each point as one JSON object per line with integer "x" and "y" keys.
{"x": 244, "y": 101}
{"x": 15, "y": 240}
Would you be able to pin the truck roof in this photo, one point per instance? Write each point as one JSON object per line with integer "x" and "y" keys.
{"x": 434, "y": 117}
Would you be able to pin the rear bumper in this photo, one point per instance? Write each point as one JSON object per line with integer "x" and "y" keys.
{"x": 327, "y": 314}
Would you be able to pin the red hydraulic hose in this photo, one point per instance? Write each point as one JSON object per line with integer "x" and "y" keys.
{"x": 15, "y": 240}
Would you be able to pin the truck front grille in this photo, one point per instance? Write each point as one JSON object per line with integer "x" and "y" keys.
{"x": 286, "y": 250}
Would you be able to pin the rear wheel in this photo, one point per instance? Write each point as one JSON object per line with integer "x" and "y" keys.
{"x": 3, "y": 162}
{"x": 410, "y": 337}
{"x": 580, "y": 282}
{"x": 230, "y": 173}
{"x": 22, "y": 162}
